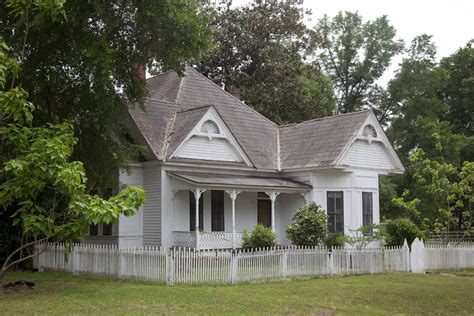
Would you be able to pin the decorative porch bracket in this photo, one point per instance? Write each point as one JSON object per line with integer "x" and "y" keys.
{"x": 197, "y": 195}
{"x": 233, "y": 196}
{"x": 273, "y": 195}
{"x": 306, "y": 196}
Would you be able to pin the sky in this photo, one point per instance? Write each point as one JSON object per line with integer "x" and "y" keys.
{"x": 451, "y": 22}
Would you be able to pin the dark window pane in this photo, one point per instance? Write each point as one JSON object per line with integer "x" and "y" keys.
{"x": 264, "y": 213}
{"x": 93, "y": 229}
{"x": 335, "y": 211}
{"x": 367, "y": 209}
{"x": 192, "y": 212}
{"x": 217, "y": 211}
{"x": 107, "y": 229}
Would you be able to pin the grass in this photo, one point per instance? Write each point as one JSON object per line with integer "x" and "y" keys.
{"x": 60, "y": 294}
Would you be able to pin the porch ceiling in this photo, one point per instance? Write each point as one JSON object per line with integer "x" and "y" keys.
{"x": 239, "y": 181}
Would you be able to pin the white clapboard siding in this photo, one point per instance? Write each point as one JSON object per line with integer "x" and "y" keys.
{"x": 199, "y": 147}
{"x": 363, "y": 154}
{"x": 152, "y": 207}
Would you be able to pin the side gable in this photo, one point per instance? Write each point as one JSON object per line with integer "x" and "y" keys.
{"x": 208, "y": 139}
{"x": 318, "y": 143}
{"x": 371, "y": 149}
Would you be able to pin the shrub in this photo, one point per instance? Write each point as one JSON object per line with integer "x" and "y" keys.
{"x": 335, "y": 240}
{"x": 398, "y": 230}
{"x": 309, "y": 226}
{"x": 260, "y": 237}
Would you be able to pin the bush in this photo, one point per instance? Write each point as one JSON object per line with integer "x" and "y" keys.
{"x": 260, "y": 237}
{"x": 335, "y": 240}
{"x": 309, "y": 226}
{"x": 397, "y": 230}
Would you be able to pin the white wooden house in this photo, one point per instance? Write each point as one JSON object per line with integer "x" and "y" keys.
{"x": 216, "y": 167}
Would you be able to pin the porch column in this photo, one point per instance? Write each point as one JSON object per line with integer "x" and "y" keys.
{"x": 273, "y": 195}
{"x": 233, "y": 196}
{"x": 197, "y": 195}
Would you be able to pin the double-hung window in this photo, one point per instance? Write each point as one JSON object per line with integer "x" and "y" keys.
{"x": 335, "y": 211}
{"x": 217, "y": 211}
{"x": 367, "y": 209}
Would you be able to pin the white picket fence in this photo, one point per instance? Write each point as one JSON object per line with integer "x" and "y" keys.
{"x": 185, "y": 265}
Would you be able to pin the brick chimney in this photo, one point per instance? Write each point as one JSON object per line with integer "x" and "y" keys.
{"x": 235, "y": 93}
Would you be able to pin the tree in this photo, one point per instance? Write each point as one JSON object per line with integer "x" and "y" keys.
{"x": 459, "y": 91}
{"x": 83, "y": 67}
{"x": 355, "y": 55}
{"x": 421, "y": 101}
{"x": 449, "y": 187}
{"x": 41, "y": 189}
{"x": 309, "y": 226}
{"x": 459, "y": 95}
{"x": 259, "y": 50}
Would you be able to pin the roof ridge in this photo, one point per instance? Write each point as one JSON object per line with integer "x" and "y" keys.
{"x": 196, "y": 108}
{"x": 161, "y": 74}
{"x": 227, "y": 93}
{"x": 326, "y": 118}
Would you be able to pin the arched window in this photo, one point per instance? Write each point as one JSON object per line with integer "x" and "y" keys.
{"x": 369, "y": 131}
{"x": 210, "y": 127}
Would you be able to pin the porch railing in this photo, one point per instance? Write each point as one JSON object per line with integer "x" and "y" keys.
{"x": 207, "y": 240}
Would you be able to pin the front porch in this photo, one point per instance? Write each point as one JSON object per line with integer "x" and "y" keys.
{"x": 212, "y": 211}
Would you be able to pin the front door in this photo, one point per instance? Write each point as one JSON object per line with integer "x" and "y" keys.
{"x": 264, "y": 213}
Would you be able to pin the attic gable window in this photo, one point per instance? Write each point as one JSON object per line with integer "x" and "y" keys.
{"x": 369, "y": 131}
{"x": 210, "y": 127}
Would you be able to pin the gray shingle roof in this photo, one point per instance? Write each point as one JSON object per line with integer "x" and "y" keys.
{"x": 183, "y": 124}
{"x": 319, "y": 142}
{"x": 154, "y": 121}
{"x": 239, "y": 180}
{"x": 175, "y": 104}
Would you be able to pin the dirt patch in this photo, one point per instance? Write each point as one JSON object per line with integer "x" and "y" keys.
{"x": 18, "y": 286}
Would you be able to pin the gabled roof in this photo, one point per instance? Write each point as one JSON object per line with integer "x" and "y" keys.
{"x": 175, "y": 105}
{"x": 319, "y": 142}
{"x": 184, "y": 123}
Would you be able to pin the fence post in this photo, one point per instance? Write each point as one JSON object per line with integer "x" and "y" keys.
{"x": 284, "y": 264}
{"x": 331, "y": 261}
{"x": 75, "y": 261}
{"x": 417, "y": 256}
{"x": 169, "y": 269}
{"x": 233, "y": 268}
{"x": 406, "y": 256}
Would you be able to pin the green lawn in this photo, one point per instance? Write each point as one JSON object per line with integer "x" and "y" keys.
{"x": 58, "y": 293}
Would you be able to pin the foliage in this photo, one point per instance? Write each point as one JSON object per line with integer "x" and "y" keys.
{"x": 397, "y": 230}
{"x": 362, "y": 237}
{"x": 258, "y": 49}
{"x": 82, "y": 67}
{"x": 355, "y": 55}
{"x": 335, "y": 240}
{"x": 425, "y": 99}
{"x": 41, "y": 190}
{"x": 260, "y": 237}
{"x": 446, "y": 186}
{"x": 459, "y": 90}
{"x": 309, "y": 226}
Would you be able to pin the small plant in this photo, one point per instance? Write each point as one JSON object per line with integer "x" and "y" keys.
{"x": 362, "y": 237}
{"x": 260, "y": 237}
{"x": 335, "y": 240}
{"x": 309, "y": 226}
{"x": 398, "y": 230}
